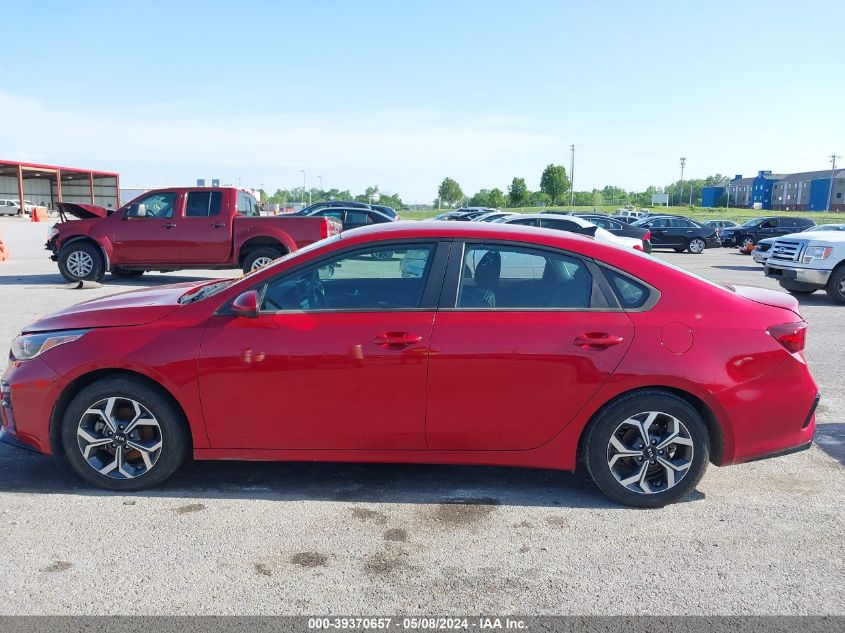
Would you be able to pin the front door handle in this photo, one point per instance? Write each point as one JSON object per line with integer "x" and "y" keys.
{"x": 218, "y": 225}
{"x": 597, "y": 340}
{"x": 397, "y": 340}
{"x": 169, "y": 226}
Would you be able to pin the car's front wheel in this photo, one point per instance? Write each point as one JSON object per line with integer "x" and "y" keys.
{"x": 121, "y": 434}
{"x": 696, "y": 246}
{"x": 647, "y": 449}
{"x": 81, "y": 261}
{"x": 836, "y": 285}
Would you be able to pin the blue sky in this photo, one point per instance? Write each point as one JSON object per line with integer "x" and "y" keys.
{"x": 402, "y": 94}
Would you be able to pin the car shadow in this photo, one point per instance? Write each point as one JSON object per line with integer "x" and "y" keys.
{"x": 830, "y": 437}
{"x": 754, "y": 268}
{"x": 56, "y": 280}
{"x": 26, "y": 472}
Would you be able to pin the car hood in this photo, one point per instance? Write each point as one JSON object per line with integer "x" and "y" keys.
{"x": 83, "y": 211}
{"x": 135, "y": 307}
{"x": 768, "y": 297}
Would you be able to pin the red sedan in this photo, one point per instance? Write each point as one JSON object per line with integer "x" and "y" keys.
{"x": 438, "y": 342}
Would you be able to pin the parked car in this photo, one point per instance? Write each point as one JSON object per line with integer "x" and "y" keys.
{"x": 630, "y": 215}
{"x": 630, "y": 362}
{"x": 720, "y": 224}
{"x": 460, "y": 215}
{"x": 353, "y": 218}
{"x": 813, "y": 260}
{"x": 492, "y": 216}
{"x": 619, "y": 228}
{"x": 573, "y": 224}
{"x": 331, "y": 203}
{"x": 175, "y": 229}
{"x": 753, "y": 231}
{"x": 388, "y": 211}
{"x": 679, "y": 233}
{"x": 9, "y": 207}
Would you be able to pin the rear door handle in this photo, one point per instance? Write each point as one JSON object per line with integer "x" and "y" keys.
{"x": 169, "y": 226}
{"x": 397, "y": 340}
{"x": 597, "y": 340}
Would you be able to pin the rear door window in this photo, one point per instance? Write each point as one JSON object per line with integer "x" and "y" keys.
{"x": 202, "y": 204}
{"x": 247, "y": 205}
{"x": 522, "y": 278}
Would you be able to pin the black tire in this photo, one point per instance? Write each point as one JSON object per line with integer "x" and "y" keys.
{"x": 745, "y": 241}
{"x": 81, "y": 251}
{"x": 123, "y": 272}
{"x": 835, "y": 288}
{"x": 258, "y": 254}
{"x": 173, "y": 432}
{"x": 696, "y": 246}
{"x": 607, "y": 422}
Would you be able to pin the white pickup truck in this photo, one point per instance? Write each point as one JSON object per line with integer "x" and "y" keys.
{"x": 805, "y": 262}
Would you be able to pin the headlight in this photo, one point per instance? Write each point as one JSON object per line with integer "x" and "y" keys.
{"x": 52, "y": 232}
{"x": 28, "y": 346}
{"x": 817, "y": 252}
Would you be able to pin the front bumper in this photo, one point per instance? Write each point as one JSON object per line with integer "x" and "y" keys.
{"x": 29, "y": 389}
{"x": 760, "y": 256}
{"x": 807, "y": 276}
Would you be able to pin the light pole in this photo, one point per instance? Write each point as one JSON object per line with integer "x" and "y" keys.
{"x": 303, "y": 186}
{"x": 681, "y": 195}
{"x": 833, "y": 158}
{"x": 320, "y": 178}
{"x": 572, "y": 176}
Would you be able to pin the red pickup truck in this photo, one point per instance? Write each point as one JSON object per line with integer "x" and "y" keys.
{"x": 174, "y": 229}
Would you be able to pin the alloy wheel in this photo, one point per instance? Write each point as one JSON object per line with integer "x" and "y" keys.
{"x": 696, "y": 246}
{"x": 119, "y": 438}
{"x": 650, "y": 452}
{"x": 261, "y": 262}
{"x": 80, "y": 264}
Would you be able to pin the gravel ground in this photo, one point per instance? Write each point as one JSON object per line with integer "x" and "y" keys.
{"x": 259, "y": 538}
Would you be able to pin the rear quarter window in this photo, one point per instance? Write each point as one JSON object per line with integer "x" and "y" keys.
{"x": 630, "y": 293}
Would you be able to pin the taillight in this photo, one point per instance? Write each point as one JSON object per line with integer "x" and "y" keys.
{"x": 791, "y": 335}
{"x": 330, "y": 227}
{"x": 638, "y": 247}
{"x": 647, "y": 236}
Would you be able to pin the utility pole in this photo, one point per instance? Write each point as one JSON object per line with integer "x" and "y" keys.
{"x": 833, "y": 158}
{"x": 321, "y": 184}
{"x": 303, "y": 186}
{"x": 572, "y": 176}
{"x": 681, "y": 195}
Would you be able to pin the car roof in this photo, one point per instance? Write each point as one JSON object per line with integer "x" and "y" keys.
{"x": 547, "y": 216}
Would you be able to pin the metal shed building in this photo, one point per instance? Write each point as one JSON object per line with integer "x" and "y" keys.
{"x": 45, "y": 185}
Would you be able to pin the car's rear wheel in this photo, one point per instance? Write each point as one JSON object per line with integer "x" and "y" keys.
{"x": 259, "y": 258}
{"x": 647, "y": 449}
{"x": 122, "y": 434}
{"x": 696, "y": 246}
{"x": 836, "y": 285}
{"x": 81, "y": 261}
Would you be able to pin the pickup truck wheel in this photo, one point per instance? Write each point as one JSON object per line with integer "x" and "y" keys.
{"x": 259, "y": 258}
{"x": 123, "y": 272}
{"x": 836, "y": 285}
{"x": 81, "y": 261}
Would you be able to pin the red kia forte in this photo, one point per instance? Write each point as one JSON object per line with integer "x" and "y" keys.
{"x": 424, "y": 342}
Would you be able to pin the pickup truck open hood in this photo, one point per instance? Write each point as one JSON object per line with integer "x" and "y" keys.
{"x": 135, "y": 307}
{"x": 83, "y": 211}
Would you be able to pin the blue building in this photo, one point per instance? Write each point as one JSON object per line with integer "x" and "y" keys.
{"x": 805, "y": 191}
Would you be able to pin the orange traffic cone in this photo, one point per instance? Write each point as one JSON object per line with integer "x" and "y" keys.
{"x": 4, "y": 252}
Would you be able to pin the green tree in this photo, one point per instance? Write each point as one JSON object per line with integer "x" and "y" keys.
{"x": 554, "y": 182}
{"x": 496, "y": 199}
{"x": 450, "y": 192}
{"x": 481, "y": 199}
{"x": 539, "y": 199}
{"x": 517, "y": 193}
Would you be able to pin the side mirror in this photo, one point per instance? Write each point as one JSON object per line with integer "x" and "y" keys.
{"x": 137, "y": 210}
{"x": 246, "y": 304}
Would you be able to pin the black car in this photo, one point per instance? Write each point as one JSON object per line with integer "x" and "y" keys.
{"x": 349, "y": 204}
{"x": 760, "y": 228}
{"x": 679, "y": 233}
{"x": 460, "y": 216}
{"x": 388, "y": 211}
{"x": 353, "y": 217}
{"x": 618, "y": 228}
